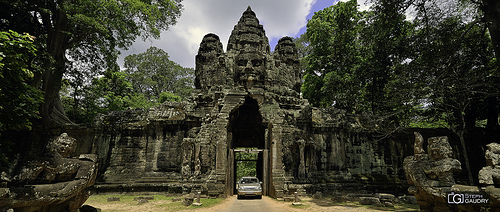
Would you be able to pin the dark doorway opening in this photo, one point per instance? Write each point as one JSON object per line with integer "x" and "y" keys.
{"x": 246, "y": 126}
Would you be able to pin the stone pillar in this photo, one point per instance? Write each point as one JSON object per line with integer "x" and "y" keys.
{"x": 302, "y": 165}
{"x": 297, "y": 200}
{"x": 278, "y": 174}
{"x": 197, "y": 161}
{"x": 198, "y": 196}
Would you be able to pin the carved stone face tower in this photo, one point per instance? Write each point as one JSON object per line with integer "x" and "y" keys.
{"x": 248, "y": 62}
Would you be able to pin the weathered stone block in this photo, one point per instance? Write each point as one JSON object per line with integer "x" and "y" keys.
{"x": 369, "y": 201}
{"x": 188, "y": 201}
{"x": 408, "y": 199}
{"x": 385, "y": 197}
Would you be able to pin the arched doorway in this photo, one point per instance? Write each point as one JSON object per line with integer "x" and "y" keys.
{"x": 247, "y": 144}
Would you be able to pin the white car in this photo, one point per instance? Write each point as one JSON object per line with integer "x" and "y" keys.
{"x": 249, "y": 187}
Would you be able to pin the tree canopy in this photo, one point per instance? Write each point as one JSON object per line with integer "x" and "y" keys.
{"x": 82, "y": 33}
{"x": 153, "y": 73}
{"x": 148, "y": 79}
{"x": 439, "y": 66}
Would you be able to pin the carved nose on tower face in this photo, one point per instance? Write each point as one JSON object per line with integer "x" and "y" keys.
{"x": 249, "y": 67}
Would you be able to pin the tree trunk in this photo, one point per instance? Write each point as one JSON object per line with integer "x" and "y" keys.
{"x": 492, "y": 124}
{"x": 491, "y": 9}
{"x": 52, "y": 111}
{"x": 460, "y": 134}
{"x": 470, "y": 118}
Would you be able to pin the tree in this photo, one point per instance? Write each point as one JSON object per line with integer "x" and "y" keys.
{"x": 357, "y": 58}
{"x": 88, "y": 31}
{"x": 491, "y": 10}
{"x": 386, "y": 41}
{"x": 246, "y": 165}
{"x": 152, "y": 73}
{"x": 330, "y": 75}
{"x": 153, "y": 81}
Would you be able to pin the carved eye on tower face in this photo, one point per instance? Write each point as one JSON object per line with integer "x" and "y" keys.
{"x": 256, "y": 63}
{"x": 242, "y": 62}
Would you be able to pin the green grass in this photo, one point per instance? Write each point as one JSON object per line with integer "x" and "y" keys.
{"x": 303, "y": 206}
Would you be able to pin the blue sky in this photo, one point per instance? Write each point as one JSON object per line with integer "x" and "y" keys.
{"x": 200, "y": 17}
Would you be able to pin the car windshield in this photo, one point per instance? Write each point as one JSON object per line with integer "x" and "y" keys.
{"x": 249, "y": 180}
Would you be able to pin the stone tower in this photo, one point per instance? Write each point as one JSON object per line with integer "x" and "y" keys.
{"x": 248, "y": 62}
{"x": 251, "y": 90}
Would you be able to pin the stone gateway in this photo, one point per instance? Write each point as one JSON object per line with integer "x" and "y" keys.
{"x": 246, "y": 99}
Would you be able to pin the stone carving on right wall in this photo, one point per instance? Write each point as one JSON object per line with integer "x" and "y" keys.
{"x": 431, "y": 175}
{"x": 489, "y": 176}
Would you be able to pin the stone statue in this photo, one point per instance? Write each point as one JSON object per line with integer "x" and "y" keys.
{"x": 302, "y": 164}
{"x": 187, "y": 149}
{"x": 431, "y": 176}
{"x": 418, "y": 147}
{"x": 55, "y": 182}
{"x": 489, "y": 176}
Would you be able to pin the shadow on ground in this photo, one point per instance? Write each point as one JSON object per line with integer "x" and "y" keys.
{"x": 326, "y": 202}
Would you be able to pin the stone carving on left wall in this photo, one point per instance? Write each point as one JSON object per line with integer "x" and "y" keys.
{"x": 51, "y": 183}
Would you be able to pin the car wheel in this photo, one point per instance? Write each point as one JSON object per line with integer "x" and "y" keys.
{"x": 238, "y": 197}
{"x": 259, "y": 197}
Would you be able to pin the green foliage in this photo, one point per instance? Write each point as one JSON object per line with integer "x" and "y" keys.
{"x": 152, "y": 73}
{"x": 356, "y": 58}
{"x": 246, "y": 164}
{"x": 331, "y": 66}
{"x": 168, "y": 97}
{"x": 454, "y": 61}
{"x": 150, "y": 79}
{"x": 19, "y": 101}
{"x": 437, "y": 70}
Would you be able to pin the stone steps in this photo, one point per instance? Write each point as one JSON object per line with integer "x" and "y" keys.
{"x": 156, "y": 180}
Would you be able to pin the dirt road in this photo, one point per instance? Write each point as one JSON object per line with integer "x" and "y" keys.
{"x": 268, "y": 204}
{"x": 232, "y": 204}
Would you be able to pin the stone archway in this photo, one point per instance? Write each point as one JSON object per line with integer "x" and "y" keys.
{"x": 246, "y": 127}
{"x": 247, "y": 134}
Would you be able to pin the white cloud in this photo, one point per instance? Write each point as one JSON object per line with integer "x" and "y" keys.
{"x": 363, "y": 5}
{"x": 200, "y": 17}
